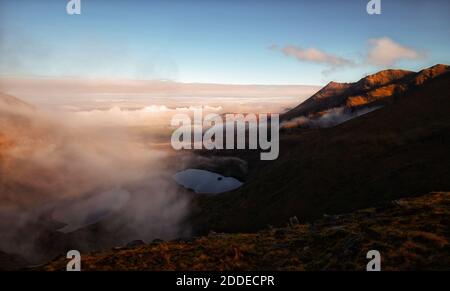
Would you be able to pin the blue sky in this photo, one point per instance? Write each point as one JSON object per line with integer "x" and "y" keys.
{"x": 230, "y": 42}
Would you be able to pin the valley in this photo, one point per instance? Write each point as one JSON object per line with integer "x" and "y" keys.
{"x": 367, "y": 161}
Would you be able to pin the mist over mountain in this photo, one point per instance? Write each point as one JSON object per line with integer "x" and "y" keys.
{"x": 69, "y": 184}
{"x": 378, "y": 180}
{"x": 60, "y": 180}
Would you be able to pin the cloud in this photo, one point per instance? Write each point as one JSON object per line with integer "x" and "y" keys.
{"x": 330, "y": 118}
{"x": 382, "y": 52}
{"x": 385, "y": 52}
{"x": 315, "y": 55}
{"x": 153, "y": 114}
{"x": 52, "y": 165}
{"x": 88, "y": 94}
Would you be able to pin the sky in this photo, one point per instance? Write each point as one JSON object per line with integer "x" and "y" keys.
{"x": 227, "y": 42}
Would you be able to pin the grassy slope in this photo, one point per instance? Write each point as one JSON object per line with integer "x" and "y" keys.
{"x": 411, "y": 234}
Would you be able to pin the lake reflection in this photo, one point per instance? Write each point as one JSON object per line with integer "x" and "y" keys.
{"x": 202, "y": 181}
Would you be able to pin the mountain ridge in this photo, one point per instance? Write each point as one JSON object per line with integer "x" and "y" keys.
{"x": 10, "y": 100}
{"x": 371, "y": 90}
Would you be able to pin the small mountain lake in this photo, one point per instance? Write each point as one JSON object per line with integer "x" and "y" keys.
{"x": 206, "y": 182}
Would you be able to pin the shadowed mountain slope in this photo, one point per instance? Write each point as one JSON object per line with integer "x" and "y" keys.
{"x": 399, "y": 150}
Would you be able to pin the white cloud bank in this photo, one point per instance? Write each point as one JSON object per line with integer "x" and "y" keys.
{"x": 381, "y": 52}
{"x": 384, "y": 52}
{"x": 315, "y": 55}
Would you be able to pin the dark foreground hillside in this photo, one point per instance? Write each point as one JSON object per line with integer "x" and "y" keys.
{"x": 410, "y": 234}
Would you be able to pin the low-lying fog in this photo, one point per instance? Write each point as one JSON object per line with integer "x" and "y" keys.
{"x": 70, "y": 163}
{"x": 77, "y": 171}
{"x": 67, "y": 165}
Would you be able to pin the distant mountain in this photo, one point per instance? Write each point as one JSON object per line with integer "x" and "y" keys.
{"x": 8, "y": 100}
{"x": 11, "y": 119}
{"x": 399, "y": 150}
{"x": 9, "y": 106}
{"x": 372, "y": 90}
